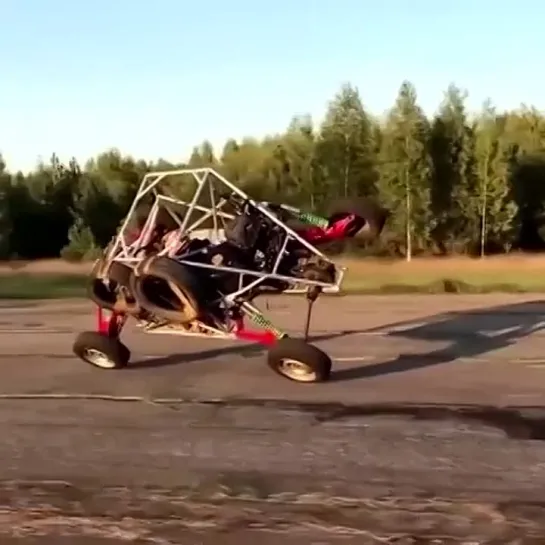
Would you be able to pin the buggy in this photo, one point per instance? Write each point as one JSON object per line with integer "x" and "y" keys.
{"x": 193, "y": 254}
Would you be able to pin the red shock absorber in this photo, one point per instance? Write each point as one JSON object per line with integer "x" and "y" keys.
{"x": 110, "y": 323}
{"x": 266, "y": 336}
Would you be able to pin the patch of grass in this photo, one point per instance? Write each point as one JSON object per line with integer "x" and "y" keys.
{"x": 511, "y": 274}
{"x": 455, "y": 275}
{"x": 42, "y": 286}
{"x": 441, "y": 286}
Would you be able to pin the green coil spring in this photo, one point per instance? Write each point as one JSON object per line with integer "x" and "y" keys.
{"x": 261, "y": 321}
{"x": 312, "y": 219}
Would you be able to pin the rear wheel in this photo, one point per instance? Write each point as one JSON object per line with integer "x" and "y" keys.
{"x": 299, "y": 361}
{"x": 101, "y": 351}
{"x": 169, "y": 289}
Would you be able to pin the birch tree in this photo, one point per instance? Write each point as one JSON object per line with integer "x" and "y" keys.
{"x": 345, "y": 147}
{"x": 406, "y": 168}
{"x": 494, "y": 203}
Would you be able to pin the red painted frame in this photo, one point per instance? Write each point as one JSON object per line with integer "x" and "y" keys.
{"x": 337, "y": 231}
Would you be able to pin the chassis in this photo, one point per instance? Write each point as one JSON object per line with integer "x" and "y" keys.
{"x": 193, "y": 253}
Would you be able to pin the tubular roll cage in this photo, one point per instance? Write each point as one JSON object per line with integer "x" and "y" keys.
{"x": 207, "y": 181}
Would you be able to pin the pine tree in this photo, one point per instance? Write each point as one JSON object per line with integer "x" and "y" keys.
{"x": 452, "y": 151}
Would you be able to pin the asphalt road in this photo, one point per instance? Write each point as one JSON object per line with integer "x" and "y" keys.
{"x": 431, "y": 430}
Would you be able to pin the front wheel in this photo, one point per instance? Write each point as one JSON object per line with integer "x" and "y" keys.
{"x": 101, "y": 351}
{"x": 299, "y": 361}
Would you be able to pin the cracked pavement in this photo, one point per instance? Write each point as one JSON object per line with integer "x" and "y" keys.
{"x": 431, "y": 430}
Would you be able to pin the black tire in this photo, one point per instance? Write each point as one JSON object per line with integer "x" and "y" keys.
{"x": 90, "y": 345}
{"x": 374, "y": 215}
{"x": 108, "y": 296}
{"x": 120, "y": 273}
{"x": 317, "y": 363}
{"x": 101, "y": 294}
{"x": 186, "y": 293}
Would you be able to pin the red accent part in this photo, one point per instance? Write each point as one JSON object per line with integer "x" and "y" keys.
{"x": 110, "y": 325}
{"x": 264, "y": 337}
{"x": 132, "y": 236}
{"x": 337, "y": 231}
{"x": 102, "y": 322}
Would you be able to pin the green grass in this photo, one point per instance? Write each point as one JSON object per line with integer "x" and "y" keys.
{"x": 468, "y": 282}
{"x": 42, "y": 286}
{"x": 461, "y": 275}
{"x": 375, "y": 281}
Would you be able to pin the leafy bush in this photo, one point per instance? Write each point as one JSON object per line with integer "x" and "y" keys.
{"x": 81, "y": 245}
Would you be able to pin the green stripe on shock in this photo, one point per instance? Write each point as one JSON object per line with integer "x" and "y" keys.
{"x": 261, "y": 321}
{"x": 312, "y": 219}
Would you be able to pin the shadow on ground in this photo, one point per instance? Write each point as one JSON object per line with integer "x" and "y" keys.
{"x": 471, "y": 334}
{"x": 239, "y": 349}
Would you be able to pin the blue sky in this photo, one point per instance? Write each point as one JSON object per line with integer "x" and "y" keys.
{"x": 153, "y": 78}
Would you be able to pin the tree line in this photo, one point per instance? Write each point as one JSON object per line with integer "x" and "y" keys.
{"x": 455, "y": 183}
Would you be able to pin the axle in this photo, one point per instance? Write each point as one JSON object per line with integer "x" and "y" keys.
{"x": 312, "y": 294}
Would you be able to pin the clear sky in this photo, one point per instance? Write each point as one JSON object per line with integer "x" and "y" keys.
{"x": 153, "y": 78}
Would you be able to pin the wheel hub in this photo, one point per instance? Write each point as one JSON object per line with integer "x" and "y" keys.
{"x": 297, "y": 370}
{"x": 98, "y": 358}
